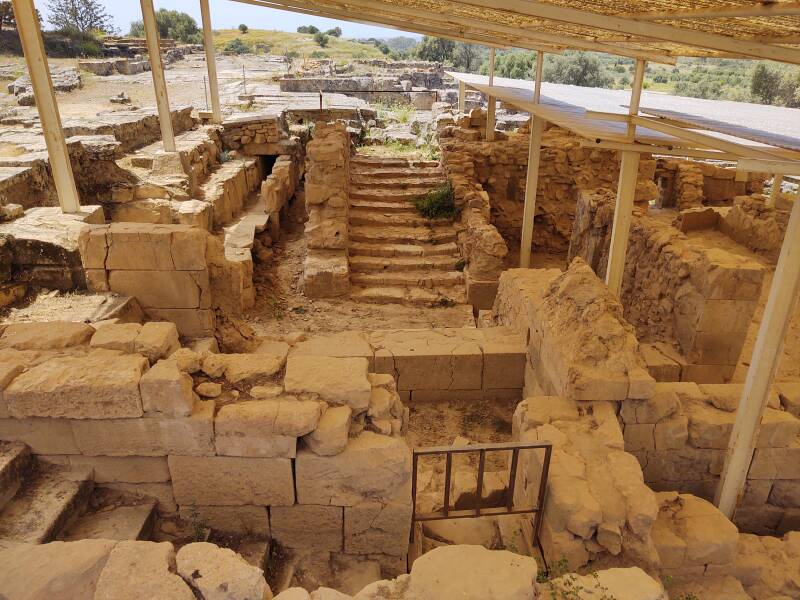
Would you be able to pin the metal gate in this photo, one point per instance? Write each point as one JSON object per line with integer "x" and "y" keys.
{"x": 479, "y": 511}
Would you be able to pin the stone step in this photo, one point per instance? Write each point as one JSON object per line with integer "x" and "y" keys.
{"x": 113, "y": 515}
{"x": 402, "y": 235}
{"x": 15, "y": 460}
{"x": 388, "y": 195}
{"x": 377, "y": 205}
{"x": 410, "y": 180}
{"x": 401, "y": 172}
{"x": 389, "y": 250}
{"x": 361, "y": 216}
{"x": 361, "y": 160}
{"x": 50, "y": 499}
{"x": 410, "y": 279}
{"x": 408, "y": 296}
{"x": 373, "y": 264}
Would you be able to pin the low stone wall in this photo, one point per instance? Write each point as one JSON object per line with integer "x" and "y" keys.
{"x": 114, "y": 66}
{"x": 680, "y": 436}
{"x": 326, "y": 270}
{"x": 255, "y": 133}
{"x": 123, "y": 399}
{"x": 756, "y": 226}
{"x": 500, "y": 167}
{"x": 26, "y": 185}
{"x": 684, "y": 293}
{"x": 579, "y": 345}
{"x": 690, "y": 184}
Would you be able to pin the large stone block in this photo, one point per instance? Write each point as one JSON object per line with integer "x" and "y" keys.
{"x": 163, "y": 289}
{"x": 52, "y": 335}
{"x": 117, "y": 336}
{"x": 124, "y": 469}
{"x": 305, "y": 526}
{"x": 336, "y": 380}
{"x": 326, "y": 274}
{"x": 243, "y": 520}
{"x": 372, "y": 467}
{"x": 246, "y": 481}
{"x": 378, "y": 527}
{"x": 44, "y": 436}
{"x": 167, "y": 390}
{"x": 220, "y": 573}
{"x": 157, "y": 340}
{"x": 100, "y": 385}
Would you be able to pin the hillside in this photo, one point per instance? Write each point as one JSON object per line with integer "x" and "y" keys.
{"x": 300, "y": 45}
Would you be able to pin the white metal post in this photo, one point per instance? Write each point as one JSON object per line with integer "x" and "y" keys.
{"x": 211, "y": 62}
{"x": 157, "y": 68}
{"x": 532, "y": 178}
{"x": 490, "y": 112}
{"x": 30, "y": 36}
{"x": 766, "y": 356}
{"x": 626, "y": 192}
{"x": 775, "y": 193}
{"x": 462, "y": 96}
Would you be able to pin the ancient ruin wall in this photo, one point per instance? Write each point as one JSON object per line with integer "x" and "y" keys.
{"x": 500, "y": 168}
{"x": 690, "y": 184}
{"x": 755, "y": 225}
{"x": 697, "y": 297}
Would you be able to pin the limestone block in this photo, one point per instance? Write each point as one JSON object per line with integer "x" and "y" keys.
{"x": 336, "y": 380}
{"x": 660, "y": 366}
{"x": 503, "y": 359}
{"x": 52, "y": 335}
{"x": 247, "y": 481}
{"x": 163, "y": 289}
{"x": 100, "y": 385}
{"x": 671, "y": 434}
{"x": 710, "y": 537}
{"x": 220, "y": 573}
{"x": 252, "y": 521}
{"x": 44, "y": 436}
{"x": 639, "y": 437}
{"x": 619, "y": 583}
{"x": 190, "y": 322}
{"x": 157, "y": 340}
{"x": 124, "y": 469}
{"x": 93, "y": 247}
{"x": 187, "y": 360}
{"x": 193, "y": 435}
{"x": 326, "y": 274}
{"x": 776, "y": 463}
{"x": 117, "y": 336}
{"x": 346, "y": 344}
{"x": 9, "y": 369}
{"x": 47, "y": 571}
{"x": 378, "y": 527}
{"x": 372, "y": 467}
{"x": 138, "y": 570}
{"x": 711, "y": 428}
{"x": 331, "y": 435}
{"x": 249, "y": 368}
{"x": 167, "y": 390}
{"x": 160, "y": 492}
{"x": 307, "y": 526}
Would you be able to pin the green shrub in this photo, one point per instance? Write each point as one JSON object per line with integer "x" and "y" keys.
{"x": 321, "y": 39}
{"x": 438, "y": 204}
{"x": 243, "y": 28}
{"x": 317, "y": 54}
{"x": 236, "y": 46}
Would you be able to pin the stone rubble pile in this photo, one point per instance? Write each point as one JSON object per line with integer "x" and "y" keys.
{"x": 114, "y": 66}
{"x": 64, "y": 80}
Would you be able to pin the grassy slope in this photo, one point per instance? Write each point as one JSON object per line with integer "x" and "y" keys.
{"x": 279, "y": 42}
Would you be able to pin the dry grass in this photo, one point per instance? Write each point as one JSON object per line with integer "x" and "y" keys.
{"x": 301, "y": 45}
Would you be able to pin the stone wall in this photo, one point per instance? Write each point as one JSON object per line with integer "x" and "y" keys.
{"x": 579, "y": 345}
{"x": 326, "y": 268}
{"x": 260, "y": 133}
{"x": 689, "y": 184}
{"x": 301, "y": 447}
{"x": 500, "y": 167}
{"x": 686, "y": 293}
{"x": 680, "y": 436}
{"x": 755, "y": 225}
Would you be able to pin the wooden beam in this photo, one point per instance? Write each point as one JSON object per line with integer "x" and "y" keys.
{"x": 462, "y": 96}
{"x": 491, "y": 107}
{"x": 537, "y": 89}
{"x": 764, "y": 362}
{"x": 211, "y": 62}
{"x": 773, "y": 167}
{"x": 659, "y": 31}
{"x": 763, "y": 9}
{"x": 531, "y": 186}
{"x": 30, "y": 36}
{"x": 660, "y": 150}
{"x": 157, "y": 69}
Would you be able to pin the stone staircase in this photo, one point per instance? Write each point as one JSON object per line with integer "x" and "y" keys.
{"x": 41, "y": 502}
{"x": 396, "y": 254}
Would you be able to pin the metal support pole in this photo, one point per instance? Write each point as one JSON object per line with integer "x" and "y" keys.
{"x": 157, "y": 67}
{"x": 531, "y": 184}
{"x": 537, "y": 90}
{"x": 775, "y": 193}
{"x": 211, "y": 62}
{"x": 30, "y": 36}
{"x": 490, "y": 112}
{"x": 763, "y": 364}
{"x": 532, "y": 177}
{"x": 462, "y": 96}
{"x": 626, "y": 193}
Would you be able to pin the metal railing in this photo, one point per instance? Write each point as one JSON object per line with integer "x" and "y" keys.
{"x": 479, "y": 511}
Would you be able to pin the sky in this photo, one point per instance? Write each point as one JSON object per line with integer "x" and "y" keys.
{"x": 227, "y": 14}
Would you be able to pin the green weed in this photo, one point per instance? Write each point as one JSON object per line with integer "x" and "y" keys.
{"x": 438, "y": 204}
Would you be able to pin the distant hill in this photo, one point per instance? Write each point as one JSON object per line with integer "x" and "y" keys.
{"x": 297, "y": 45}
{"x": 400, "y": 43}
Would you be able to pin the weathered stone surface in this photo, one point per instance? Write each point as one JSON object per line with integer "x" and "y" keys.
{"x": 331, "y": 435}
{"x": 305, "y": 526}
{"x": 220, "y": 574}
{"x": 247, "y": 481}
{"x": 57, "y": 569}
{"x": 157, "y": 340}
{"x": 101, "y": 385}
{"x": 252, "y": 521}
{"x": 326, "y": 274}
{"x": 621, "y": 584}
{"x": 120, "y": 336}
{"x": 373, "y": 466}
{"x": 124, "y": 469}
{"x": 474, "y": 573}
{"x": 243, "y": 368}
{"x": 167, "y": 390}
{"x": 44, "y": 436}
{"x": 335, "y": 380}
{"x": 208, "y": 389}
{"x": 138, "y": 570}
{"x": 52, "y": 335}
{"x": 378, "y": 527}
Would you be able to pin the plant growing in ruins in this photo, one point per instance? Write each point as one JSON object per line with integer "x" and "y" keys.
{"x": 199, "y": 527}
{"x": 438, "y": 204}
